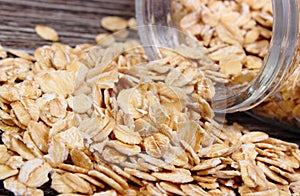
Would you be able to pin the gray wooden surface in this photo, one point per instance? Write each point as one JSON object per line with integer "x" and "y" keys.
{"x": 78, "y": 21}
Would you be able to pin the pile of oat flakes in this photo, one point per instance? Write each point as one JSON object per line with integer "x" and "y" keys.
{"x": 105, "y": 121}
{"x": 237, "y": 35}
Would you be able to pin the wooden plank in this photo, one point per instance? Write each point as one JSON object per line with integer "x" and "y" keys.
{"x": 76, "y": 21}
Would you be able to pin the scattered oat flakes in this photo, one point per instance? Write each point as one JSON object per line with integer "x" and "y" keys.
{"x": 6, "y": 171}
{"x": 3, "y": 53}
{"x": 111, "y": 182}
{"x": 176, "y": 176}
{"x": 171, "y": 188}
{"x": 72, "y": 168}
{"x": 127, "y": 175}
{"x": 59, "y": 184}
{"x": 192, "y": 189}
{"x": 132, "y": 23}
{"x": 46, "y": 33}
{"x": 21, "y": 54}
{"x": 156, "y": 145}
{"x": 207, "y": 164}
{"x": 91, "y": 180}
{"x": 79, "y": 158}
{"x": 15, "y": 186}
{"x": 113, "y": 156}
{"x": 126, "y": 149}
{"x": 106, "y": 193}
{"x": 113, "y": 23}
{"x": 81, "y": 103}
{"x": 105, "y": 39}
{"x": 34, "y": 173}
{"x": 57, "y": 151}
{"x": 60, "y": 82}
{"x": 253, "y": 137}
{"x": 18, "y": 146}
{"x": 109, "y": 172}
{"x": 140, "y": 174}
{"x": 124, "y": 134}
{"x": 77, "y": 183}
{"x": 140, "y": 127}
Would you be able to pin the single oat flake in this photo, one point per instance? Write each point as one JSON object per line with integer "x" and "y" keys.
{"x": 113, "y": 23}
{"x": 47, "y": 33}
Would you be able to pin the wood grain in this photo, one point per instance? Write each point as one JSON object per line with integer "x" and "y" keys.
{"x": 78, "y": 21}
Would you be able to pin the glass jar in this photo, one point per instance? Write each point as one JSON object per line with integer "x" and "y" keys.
{"x": 274, "y": 92}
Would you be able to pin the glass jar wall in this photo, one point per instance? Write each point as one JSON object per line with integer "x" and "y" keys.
{"x": 253, "y": 44}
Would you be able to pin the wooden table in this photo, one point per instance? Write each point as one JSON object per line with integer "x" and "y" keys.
{"x": 78, "y": 21}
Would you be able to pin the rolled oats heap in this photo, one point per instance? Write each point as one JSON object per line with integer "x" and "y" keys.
{"x": 103, "y": 120}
